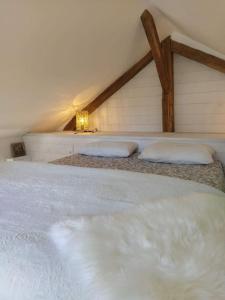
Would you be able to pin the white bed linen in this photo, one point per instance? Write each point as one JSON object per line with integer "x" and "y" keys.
{"x": 34, "y": 196}
{"x": 169, "y": 250}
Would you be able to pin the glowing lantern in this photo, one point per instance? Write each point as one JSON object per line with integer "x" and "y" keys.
{"x": 82, "y": 120}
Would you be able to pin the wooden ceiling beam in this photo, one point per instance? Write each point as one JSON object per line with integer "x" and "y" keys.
{"x": 154, "y": 42}
{"x": 163, "y": 56}
{"x": 168, "y": 95}
{"x": 71, "y": 125}
{"x": 118, "y": 83}
{"x": 199, "y": 56}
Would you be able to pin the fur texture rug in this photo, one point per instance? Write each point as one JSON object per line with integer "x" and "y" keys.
{"x": 172, "y": 249}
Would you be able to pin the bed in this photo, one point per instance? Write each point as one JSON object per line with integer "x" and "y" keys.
{"x": 35, "y": 196}
{"x": 211, "y": 174}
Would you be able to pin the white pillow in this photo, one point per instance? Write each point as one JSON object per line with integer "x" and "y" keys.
{"x": 109, "y": 149}
{"x": 178, "y": 153}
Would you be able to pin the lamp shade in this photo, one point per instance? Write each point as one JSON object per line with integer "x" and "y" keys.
{"x": 82, "y": 120}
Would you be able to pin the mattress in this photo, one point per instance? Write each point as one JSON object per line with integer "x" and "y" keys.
{"x": 212, "y": 174}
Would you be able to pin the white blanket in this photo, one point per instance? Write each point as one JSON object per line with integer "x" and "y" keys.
{"x": 35, "y": 196}
{"x": 170, "y": 250}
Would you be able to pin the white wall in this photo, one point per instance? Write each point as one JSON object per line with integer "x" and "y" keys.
{"x": 135, "y": 107}
{"x": 5, "y": 151}
{"x": 199, "y": 97}
{"x": 199, "y": 101}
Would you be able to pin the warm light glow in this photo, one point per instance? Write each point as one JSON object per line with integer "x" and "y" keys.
{"x": 82, "y": 120}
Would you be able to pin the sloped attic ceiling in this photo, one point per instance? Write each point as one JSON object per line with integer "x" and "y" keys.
{"x": 56, "y": 55}
{"x": 201, "y": 20}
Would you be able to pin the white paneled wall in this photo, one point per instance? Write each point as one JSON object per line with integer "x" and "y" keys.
{"x": 135, "y": 107}
{"x": 199, "y": 97}
{"x": 199, "y": 101}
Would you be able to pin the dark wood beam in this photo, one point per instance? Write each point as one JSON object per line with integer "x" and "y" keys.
{"x": 118, "y": 83}
{"x": 168, "y": 95}
{"x": 199, "y": 56}
{"x": 71, "y": 126}
{"x": 163, "y": 57}
{"x": 153, "y": 39}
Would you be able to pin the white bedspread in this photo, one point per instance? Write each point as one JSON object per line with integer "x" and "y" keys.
{"x": 169, "y": 250}
{"x": 35, "y": 196}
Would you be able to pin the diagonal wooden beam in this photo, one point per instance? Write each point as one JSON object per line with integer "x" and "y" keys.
{"x": 199, "y": 56}
{"x": 168, "y": 95}
{"x": 71, "y": 125}
{"x": 163, "y": 57}
{"x": 120, "y": 82}
{"x": 114, "y": 87}
{"x": 153, "y": 39}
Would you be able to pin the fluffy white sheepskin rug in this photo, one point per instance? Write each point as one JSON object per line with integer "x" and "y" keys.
{"x": 171, "y": 249}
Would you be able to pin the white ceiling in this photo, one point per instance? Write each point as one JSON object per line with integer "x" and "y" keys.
{"x": 202, "y": 20}
{"x": 56, "y": 55}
